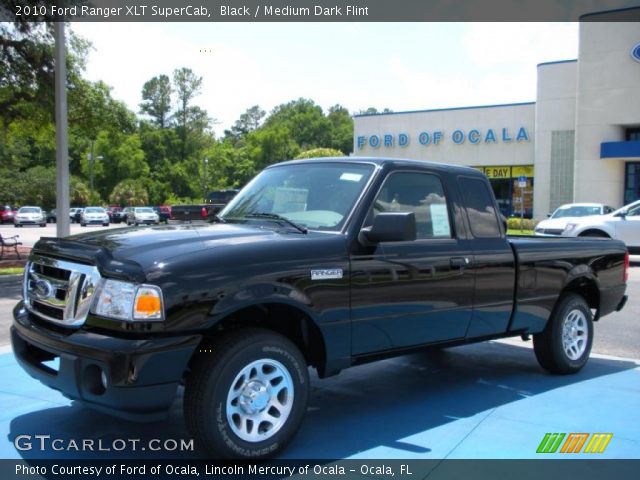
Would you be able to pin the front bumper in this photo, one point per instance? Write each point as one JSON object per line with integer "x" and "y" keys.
{"x": 142, "y": 375}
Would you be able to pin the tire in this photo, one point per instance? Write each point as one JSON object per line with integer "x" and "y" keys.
{"x": 564, "y": 345}
{"x": 219, "y": 413}
{"x": 42, "y": 225}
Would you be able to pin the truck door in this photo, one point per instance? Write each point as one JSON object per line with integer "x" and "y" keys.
{"x": 413, "y": 292}
{"x": 493, "y": 260}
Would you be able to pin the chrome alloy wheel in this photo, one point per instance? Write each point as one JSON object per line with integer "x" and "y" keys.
{"x": 574, "y": 334}
{"x": 260, "y": 400}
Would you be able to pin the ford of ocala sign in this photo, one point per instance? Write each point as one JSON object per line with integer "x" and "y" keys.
{"x": 458, "y": 137}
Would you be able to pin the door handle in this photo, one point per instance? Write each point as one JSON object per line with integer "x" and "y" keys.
{"x": 459, "y": 262}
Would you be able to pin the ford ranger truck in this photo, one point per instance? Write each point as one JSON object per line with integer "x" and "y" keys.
{"x": 323, "y": 263}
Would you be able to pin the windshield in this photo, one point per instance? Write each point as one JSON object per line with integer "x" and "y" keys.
{"x": 313, "y": 195}
{"x": 29, "y": 210}
{"x": 144, "y": 210}
{"x": 94, "y": 210}
{"x": 577, "y": 211}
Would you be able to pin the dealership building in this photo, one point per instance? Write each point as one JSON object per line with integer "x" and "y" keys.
{"x": 578, "y": 142}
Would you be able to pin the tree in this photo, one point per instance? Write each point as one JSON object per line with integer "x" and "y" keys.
{"x": 319, "y": 152}
{"x": 248, "y": 122}
{"x": 342, "y": 129}
{"x": 187, "y": 86}
{"x": 156, "y": 94}
{"x": 305, "y": 121}
{"x": 129, "y": 192}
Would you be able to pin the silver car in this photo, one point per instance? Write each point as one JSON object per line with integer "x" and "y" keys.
{"x": 142, "y": 215}
{"x": 29, "y": 216}
{"x": 94, "y": 215}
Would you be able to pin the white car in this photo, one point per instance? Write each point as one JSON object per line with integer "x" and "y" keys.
{"x": 29, "y": 216}
{"x": 557, "y": 221}
{"x": 91, "y": 215}
{"x": 622, "y": 224}
{"x": 142, "y": 215}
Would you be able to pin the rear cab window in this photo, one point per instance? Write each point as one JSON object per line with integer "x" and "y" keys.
{"x": 480, "y": 207}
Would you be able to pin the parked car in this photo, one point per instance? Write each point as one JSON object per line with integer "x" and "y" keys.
{"x": 123, "y": 215}
{"x": 142, "y": 216}
{"x": 190, "y": 213}
{"x": 94, "y": 215}
{"x": 51, "y": 216}
{"x": 218, "y": 199}
{"x": 29, "y": 216}
{"x": 7, "y": 213}
{"x": 557, "y": 221}
{"x": 113, "y": 212}
{"x": 74, "y": 212}
{"x": 324, "y": 263}
{"x": 622, "y": 224}
{"x": 164, "y": 213}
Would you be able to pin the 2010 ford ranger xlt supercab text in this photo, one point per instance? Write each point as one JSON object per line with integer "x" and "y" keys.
{"x": 326, "y": 263}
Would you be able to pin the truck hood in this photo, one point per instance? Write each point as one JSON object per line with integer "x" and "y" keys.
{"x": 142, "y": 248}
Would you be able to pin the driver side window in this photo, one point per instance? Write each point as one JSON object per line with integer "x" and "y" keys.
{"x": 420, "y": 193}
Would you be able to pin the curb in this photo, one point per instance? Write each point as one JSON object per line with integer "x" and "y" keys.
{"x": 10, "y": 279}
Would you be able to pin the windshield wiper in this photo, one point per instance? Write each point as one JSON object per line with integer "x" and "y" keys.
{"x": 275, "y": 216}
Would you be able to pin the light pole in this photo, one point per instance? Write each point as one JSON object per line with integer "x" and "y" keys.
{"x": 92, "y": 160}
{"x": 205, "y": 164}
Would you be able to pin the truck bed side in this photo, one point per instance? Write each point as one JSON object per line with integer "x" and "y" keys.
{"x": 547, "y": 267}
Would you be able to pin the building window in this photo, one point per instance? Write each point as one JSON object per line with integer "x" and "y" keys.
{"x": 631, "y": 182}
{"x": 632, "y": 134}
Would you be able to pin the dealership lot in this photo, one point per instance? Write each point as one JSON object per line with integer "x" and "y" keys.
{"x": 489, "y": 400}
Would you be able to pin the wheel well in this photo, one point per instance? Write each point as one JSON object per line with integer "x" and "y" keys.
{"x": 588, "y": 289}
{"x": 594, "y": 232}
{"x": 289, "y": 321}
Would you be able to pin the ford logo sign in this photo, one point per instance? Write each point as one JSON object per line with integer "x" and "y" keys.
{"x": 43, "y": 289}
{"x": 635, "y": 53}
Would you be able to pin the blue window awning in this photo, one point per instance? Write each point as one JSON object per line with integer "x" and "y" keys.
{"x": 628, "y": 149}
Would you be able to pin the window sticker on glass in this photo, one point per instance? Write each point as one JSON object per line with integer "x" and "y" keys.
{"x": 351, "y": 177}
{"x": 440, "y": 220}
{"x": 290, "y": 200}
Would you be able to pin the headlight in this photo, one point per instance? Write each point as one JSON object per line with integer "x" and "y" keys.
{"x": 128, "y": 301}
{"x": 569, "y": 228}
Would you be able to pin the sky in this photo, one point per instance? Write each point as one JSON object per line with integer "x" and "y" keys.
{"x": 401, "y": 66}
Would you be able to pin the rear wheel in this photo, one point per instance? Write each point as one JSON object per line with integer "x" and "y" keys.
{"x": 565, "y": 344}
{"x": 246, "y": 397}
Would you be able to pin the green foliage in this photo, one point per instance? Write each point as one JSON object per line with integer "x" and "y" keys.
{"x": 129, "y": 192}
{"x": 514, "y": 223}
{"x": 156, "y": 94}
{"x": 170, "y": 156}
{"x": 320, "y": 152}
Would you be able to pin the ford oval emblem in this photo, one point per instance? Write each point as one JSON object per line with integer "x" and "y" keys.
{"x": 635, "y": 53}
{"x": 43, "y": 289}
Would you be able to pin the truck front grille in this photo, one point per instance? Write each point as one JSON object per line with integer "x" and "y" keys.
{"x": 58, "y": 291}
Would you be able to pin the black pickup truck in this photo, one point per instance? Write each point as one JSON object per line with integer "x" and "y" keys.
{"x": 326, "y": 263}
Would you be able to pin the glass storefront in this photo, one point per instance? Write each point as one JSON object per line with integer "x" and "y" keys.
{"x": 512, "y": 199}
{"x": 631, "y": 182}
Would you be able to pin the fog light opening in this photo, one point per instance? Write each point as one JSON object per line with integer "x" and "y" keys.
{"x": 94, "y": 380}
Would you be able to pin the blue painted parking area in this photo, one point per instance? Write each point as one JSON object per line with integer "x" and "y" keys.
{"x": 489, "y": 400}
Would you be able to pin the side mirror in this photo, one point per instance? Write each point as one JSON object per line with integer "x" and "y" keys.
{"x": 622, "y": 213}
{"x": 549, "y": 215}
{"x": 390, "y": 227}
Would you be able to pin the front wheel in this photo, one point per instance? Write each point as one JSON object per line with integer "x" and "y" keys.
{"x": 565, "y": 344}
{"x": 247, "y": 396}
